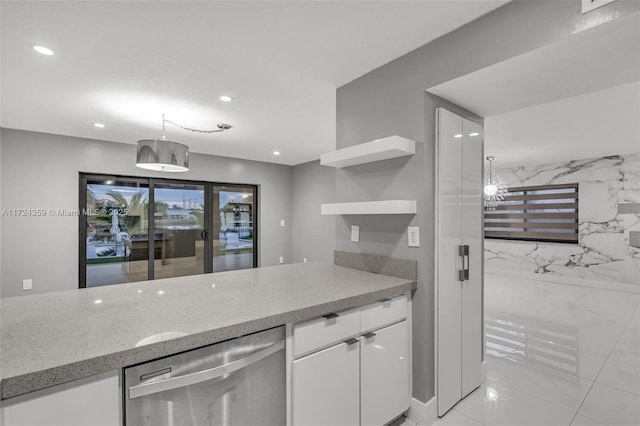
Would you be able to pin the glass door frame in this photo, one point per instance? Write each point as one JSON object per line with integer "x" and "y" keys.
{"x": 151, "y": 182}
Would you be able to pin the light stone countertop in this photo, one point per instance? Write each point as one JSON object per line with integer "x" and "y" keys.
{"x": 53, "y": 338}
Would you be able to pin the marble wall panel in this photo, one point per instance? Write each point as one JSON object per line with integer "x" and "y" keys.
{"x": 603, "y": 252}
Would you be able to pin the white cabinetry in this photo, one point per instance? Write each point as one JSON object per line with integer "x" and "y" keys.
{"x": 357, "y": 376}
{"x": 384, "y": 369}
{"x": 93, "y": 401}
{"x": 326, "y": 385}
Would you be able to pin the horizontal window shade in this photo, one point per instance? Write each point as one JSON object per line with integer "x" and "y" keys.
{"x": 535, "y": 213}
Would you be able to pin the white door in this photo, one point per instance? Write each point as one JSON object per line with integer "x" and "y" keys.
{"x": 384, "y": 370}
{"x": 326, "y": 387}
{"x": 458, "y": 258}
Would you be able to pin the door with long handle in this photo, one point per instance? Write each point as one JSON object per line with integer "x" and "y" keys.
{"x": 459, "y": 258}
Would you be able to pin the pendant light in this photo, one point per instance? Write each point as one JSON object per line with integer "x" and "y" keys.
{"x": 166, "y": 156}
{"x": 495, "y": 188}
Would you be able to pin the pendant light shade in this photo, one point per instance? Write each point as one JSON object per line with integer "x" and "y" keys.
{"x": 162, "y": 155}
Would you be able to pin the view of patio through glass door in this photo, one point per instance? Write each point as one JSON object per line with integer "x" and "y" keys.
{"x": 135, "y": 229}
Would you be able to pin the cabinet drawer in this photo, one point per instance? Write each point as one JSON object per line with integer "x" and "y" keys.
{"x": 383, "y": 313}
{"x": 321, "y": 332}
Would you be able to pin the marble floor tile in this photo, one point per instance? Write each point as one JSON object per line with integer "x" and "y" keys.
{"x": 455, "y": 418}
{"x": 508, "y": 406}
{"x": 578, "y": 363}
{"x": 612, "y": 406}
{"x": 565, "y": 390}
{"x": 621, "y": 376}
{"x": 581, "y": 420}
{"x": 627, "y": 349}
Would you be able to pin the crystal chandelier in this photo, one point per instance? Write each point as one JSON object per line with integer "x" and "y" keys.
{"x": 165, "y": 156}
{"x": 494, "y": 187}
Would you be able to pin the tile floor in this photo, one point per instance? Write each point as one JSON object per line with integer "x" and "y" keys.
{"x": 555, "y": 355}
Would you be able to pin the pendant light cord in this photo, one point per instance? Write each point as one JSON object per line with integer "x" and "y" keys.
{"x": 221, "y": 127}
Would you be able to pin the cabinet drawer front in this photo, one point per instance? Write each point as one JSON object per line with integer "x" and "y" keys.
{"x": 321, "y": 332}
{"x": 383, "y": 313}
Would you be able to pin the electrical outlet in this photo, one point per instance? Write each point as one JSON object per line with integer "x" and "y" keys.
{"x": 27, "y": 284}
{"x": 355, "y": 233}
{"x": 281, "y": 222}
{"x": 304, "y": 260}
{"x": 413, "y": 234}
{"x": 281, "y": 259}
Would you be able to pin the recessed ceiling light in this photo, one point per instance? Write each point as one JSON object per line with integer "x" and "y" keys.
{"x": 225, "y": 98}
{"x": 98, "y": 125}
{"x": 276, "y": 153}
{"x": 41, "y": 49}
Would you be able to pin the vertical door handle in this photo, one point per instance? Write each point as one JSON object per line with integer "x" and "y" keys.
{"x": 466, "y": 265}
{"x": 463, "y": 252}
{"x": 203, "y": 234}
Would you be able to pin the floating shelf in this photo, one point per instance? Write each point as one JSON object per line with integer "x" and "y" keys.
{"x": 381, "y": 149}
{"x": 371, "y": 207}
{"x": 629, "y": 208}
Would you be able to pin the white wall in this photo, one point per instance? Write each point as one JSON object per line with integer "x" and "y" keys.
{"x": 603, "y": 252}
{"x": 40, "y": 171}
{"x": 313, "y": 234}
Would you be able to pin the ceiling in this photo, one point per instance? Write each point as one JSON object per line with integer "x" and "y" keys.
{"x": 574, "y": 99}
{"x": 126, "y": 63}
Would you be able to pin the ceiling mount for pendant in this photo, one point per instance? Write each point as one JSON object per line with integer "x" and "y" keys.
{"x": 166, "y": 156}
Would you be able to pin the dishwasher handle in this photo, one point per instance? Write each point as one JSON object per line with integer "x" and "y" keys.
{"x": 204, "y": 375}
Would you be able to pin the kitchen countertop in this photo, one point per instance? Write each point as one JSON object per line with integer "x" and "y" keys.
{"x": 53, "y": 338}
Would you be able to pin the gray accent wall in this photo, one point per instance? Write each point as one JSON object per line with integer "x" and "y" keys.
{"x": 40, "y": 170}
{"x": 391, "y": 100}
{"x": 312, "y": 234}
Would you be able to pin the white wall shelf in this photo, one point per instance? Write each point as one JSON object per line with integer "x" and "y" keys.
{"x": 381, "y": 149}
{"x": 370, "y": 207}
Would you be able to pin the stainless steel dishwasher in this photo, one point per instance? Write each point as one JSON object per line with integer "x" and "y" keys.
{"x": 236, "y": 382}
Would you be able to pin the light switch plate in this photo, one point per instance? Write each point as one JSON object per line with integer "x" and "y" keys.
{"x": 281, "y": 222}
{"x": 27, "y": 284}
{"x": 355, "y": 233}
{"x": 413, "y": 235}
{"x": 281, "y": 260}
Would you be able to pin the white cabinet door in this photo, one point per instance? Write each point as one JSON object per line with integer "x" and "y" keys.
{"x": 385, "y": 382}
{"x": 459, "y": 217}
{"x": 94, "y": 401}
{"x": 326, "y": 387}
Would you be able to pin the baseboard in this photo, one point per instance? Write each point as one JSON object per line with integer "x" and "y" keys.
{"x": 577, "y": 281}
{"x": 423, "y": 413}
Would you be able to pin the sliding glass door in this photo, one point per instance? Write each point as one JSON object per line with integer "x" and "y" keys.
{"x": 179, "y": 229}
{"x": 233, "y": 218}
{"x": 114, "y": 217}
{"x": 134, "y": 229}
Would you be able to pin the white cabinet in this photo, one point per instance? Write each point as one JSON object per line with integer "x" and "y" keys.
{"x": 459, "y": 236}
{"x": 342, "y": 376}
{"x": 92, "y": 401}
{"x": 384, "y": 369}
{"x": 326, "y": 385}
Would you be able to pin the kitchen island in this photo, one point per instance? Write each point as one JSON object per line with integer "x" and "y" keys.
{"x": 54, "y": 338}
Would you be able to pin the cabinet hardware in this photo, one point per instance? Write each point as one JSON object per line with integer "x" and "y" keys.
{"x": 369, "y": 335}
{"x": 330, "y": 316}
{"x": 351, "y": 341}
{"x": 463, "y": 252}
{"x": 385, "y": 300}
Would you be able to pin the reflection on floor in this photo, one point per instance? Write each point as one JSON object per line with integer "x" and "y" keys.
{"x": 555, "y": 355}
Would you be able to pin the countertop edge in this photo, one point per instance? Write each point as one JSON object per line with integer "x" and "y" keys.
{"x": 22, "y": 384}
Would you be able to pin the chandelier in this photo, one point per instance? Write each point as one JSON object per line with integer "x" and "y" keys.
{"x": 494, "y": 187}
{"x": 166, "y": 156}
